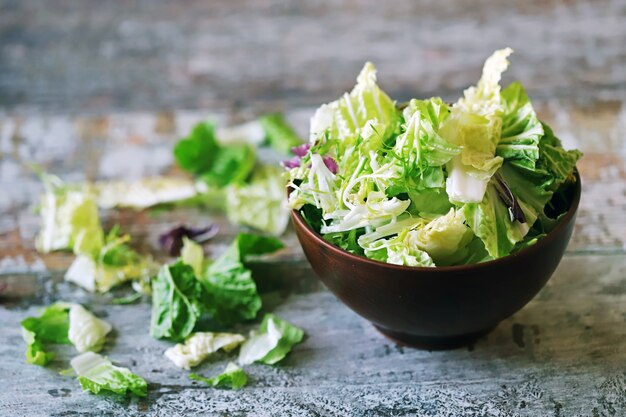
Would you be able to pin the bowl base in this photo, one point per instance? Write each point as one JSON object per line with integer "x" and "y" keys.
{"x": 433, "y": 342}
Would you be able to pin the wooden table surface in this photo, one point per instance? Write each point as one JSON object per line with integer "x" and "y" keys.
{"x": 102, "y": 90}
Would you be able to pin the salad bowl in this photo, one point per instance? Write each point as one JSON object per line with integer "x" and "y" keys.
{"x": 438, "y": 307}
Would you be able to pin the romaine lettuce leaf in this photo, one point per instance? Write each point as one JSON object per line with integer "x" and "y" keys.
{"x": 521, "y": 129}
{"x": 50, "y": 327}
{"x": 217, "y": 165}
{"x": 102, "y": 263}
{"x": 201, "y": 345}
{"x": 261, "y": 203}
{"x": 230, "y": 290}
{"x": 233, "y": 377}
{"x": 143, "y": 193}
{"x": 177, "y": 298}
{"x": 65, "y": 212}
{"x": 96, "y": 373}
{"x": 192, "y": 254}
{"x": 278, "y": 133}
{"x": 346, "y": 118}
{"x": 475, "y": 124}
{"x": 271, "y": 343}
{"x": 86, "y": 331}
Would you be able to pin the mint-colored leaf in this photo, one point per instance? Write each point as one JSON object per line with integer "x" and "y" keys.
{"x": 271, "y": 343}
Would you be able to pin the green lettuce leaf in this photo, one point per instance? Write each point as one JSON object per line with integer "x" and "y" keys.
{"x": 176, "y": 302}
{"x": 364, "y": 108}
{"x": 231, "y": 292}
{"x": 521, "y": 129}
{"x": 201, "y": 345}
{"x": 50, "y": 327}
{"x": 143, "y": 193}
{"x": 65, "y": 212}
{"x": 279, "y": 133}
{"x": 217, "y": 165}
{"x": 233, "y": 377}
{"x": 261, "y": 203}
{"x": 271, "y": 343}
{"x": 103, "y": 263}
{"x": 96, "y": 373}
{"x": 475, "y": 124}
{"x": 192, "y": 254}
{"x": 86, "y": 331}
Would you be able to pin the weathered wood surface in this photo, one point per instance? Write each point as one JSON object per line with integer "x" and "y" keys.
{"x": 98, "y": 90}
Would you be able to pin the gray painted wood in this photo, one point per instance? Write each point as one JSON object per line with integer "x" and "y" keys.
{"x": 101, "y": 90}
{"x": 562, "y": 355}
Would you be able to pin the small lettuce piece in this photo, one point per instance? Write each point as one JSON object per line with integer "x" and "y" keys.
{"x": 176, "y": 302}
{"x": 96, "y": 373}
{"x": 201, "y": 345}
{"x": 103, "y": 263}
{"x": 261, "y": 203}
{"x": 398, "y": 250}
{"x": 279, "y": 133}
{"x": 231, "y": 293}
{"x": 143, "y": 193}
{"x": 233, "y": 377}
{"x": 271, "y": 343}
{"x": 192, "y": 254}
{"x": 521, "y": 129}
{"x": 217, "y": 165}
{"x": 347, "y": 241}
{"x": 197, "y": 152}
{"x": 65, "y": 212}
{"x": 86, "y": 331}
{"x": 475, "y": 124}
{"x": 233, "y": 164}
{"x": 50, "y": 327}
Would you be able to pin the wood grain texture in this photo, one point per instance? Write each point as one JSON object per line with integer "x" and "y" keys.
{"x": 562, "y": 355}
{"x": 92, "y": 56}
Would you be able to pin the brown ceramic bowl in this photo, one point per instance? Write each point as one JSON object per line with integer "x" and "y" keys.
{"x": 439, "y": 307}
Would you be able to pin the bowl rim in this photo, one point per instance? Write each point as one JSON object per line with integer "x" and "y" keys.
{"x": 561, "y": 224}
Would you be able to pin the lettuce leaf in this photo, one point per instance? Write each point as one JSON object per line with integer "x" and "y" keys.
{"x": 260, "y": 203}
{"x": 176, "y": 302}
{"x": 192, "y": 254}
{"x": 475, "y": 124}
{"x": 233, "y": 377}
{"x": 86, "y": 331}
{"x": 271, "y": 343}
{"x": 65, "y": 212}
{"x": 364, "y": 107}
{"x": 50, "y": 327}
{"x": 143, "y": 193}
{"x": 201, "y": 345}
{"x": 217, "y": 165}
{"x": 103, "y": 263}
{"x": 279, "y": 133}
{"x": 96, "y": 373}
{"x": 231, "y": 292}
{"x": 521, "y": 129}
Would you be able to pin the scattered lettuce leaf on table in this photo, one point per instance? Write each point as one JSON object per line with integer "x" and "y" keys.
{"x": 201, "y": 345}
{"x": 261, "y": 203}
{"x": 51, "y": 326}
{"x": 273, "y": 341}
{"x": 65, "y": 212}
{"x": 96, "y": 374}
{"x": 217, "y": 165}
{"x": 233, "y": 377}
{"x": 231, "y": 292}
{"x": 279, "y": 133}
{"x": 86, "y": 331}
{"x": 105, "y": 262}
{"x": 177, "y": 298}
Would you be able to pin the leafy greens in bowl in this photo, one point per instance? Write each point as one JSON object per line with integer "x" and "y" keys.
{"x": 431, "y": 184}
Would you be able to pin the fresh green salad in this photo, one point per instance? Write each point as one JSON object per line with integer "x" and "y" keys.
{"x": 426, "y": 183}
